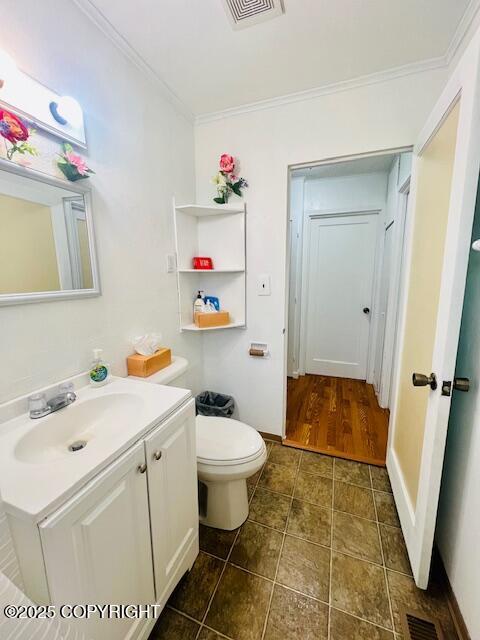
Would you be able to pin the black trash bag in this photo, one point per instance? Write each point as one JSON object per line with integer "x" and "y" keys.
{"x": 210, "y": 403}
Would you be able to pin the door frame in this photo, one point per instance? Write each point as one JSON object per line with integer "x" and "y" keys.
{"x": 329, "y": 215}
{"x": 387, "y": 378}
{"x": 288, "y": 242}
{"x": 418, "y": 523}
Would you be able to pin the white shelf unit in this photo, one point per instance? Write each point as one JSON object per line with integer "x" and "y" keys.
{"x": 217, "y": 232}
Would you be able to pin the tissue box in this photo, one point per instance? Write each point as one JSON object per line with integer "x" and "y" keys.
{"x": 144, "y": 366}
{"x": 218, "y": 319}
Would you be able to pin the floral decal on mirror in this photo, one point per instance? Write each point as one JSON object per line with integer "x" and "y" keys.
{"x": 73, "y": 166}
{"x": 17, "y": 133}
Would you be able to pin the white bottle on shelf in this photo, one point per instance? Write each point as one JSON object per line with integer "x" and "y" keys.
{"x": 199, "y": 304}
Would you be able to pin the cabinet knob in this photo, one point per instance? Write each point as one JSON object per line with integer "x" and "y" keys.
{"x": 157, "y": 455}
{"x": 142, "y": 468}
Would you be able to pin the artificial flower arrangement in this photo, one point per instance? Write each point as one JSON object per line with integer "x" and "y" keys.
{"x": 73, "y": 166}
{"x": 226, "y": 181}
{"x": 17, "y": 133}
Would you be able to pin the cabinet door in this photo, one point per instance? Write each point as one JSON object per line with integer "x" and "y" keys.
{"x": 172, "y": 486}
{"x": 97, "y": 547}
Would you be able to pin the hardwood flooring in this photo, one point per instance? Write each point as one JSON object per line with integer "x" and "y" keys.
{"x": 336, "y": 416}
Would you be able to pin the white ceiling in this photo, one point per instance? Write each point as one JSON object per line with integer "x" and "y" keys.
{"x": 192, "y": 47}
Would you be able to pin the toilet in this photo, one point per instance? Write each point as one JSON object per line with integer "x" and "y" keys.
{"x": 228, "y": 452}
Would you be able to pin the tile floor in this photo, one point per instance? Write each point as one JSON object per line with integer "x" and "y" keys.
{"x": 321, "y": 557}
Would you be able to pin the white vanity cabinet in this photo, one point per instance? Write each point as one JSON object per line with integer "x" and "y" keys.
{"x": 172, "y": 485}
{"x": 97, "y": 547}
{"x": 126, "y": 537}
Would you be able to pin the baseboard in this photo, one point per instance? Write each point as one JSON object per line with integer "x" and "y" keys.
{"x": 270, "y": 436}
{"x": 457, "y": 617}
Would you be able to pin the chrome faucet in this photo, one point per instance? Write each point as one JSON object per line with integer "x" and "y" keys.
{"x": 40, "y": 407}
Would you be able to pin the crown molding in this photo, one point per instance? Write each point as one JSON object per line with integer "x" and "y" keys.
{"x": 318, "y": 92}
{"x": 119, "y": 41}
{"x": 471, "y": 12}
{"x": 442, "y": 62}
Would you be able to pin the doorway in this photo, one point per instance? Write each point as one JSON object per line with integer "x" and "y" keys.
{"x": 346, "y": 233}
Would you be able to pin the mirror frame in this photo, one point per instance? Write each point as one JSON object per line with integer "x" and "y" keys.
{"x": 74, "y": 187}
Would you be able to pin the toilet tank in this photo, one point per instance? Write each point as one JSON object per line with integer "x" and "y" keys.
{"x": 175, "y": 375}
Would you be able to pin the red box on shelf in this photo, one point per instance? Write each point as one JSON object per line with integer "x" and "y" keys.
{"x": 202, "y": 263}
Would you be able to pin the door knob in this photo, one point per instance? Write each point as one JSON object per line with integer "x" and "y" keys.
{"x": 142, "y": 468}
{"x": 157, "y": 455}
{"x": 461, "y": 384}
{"x": 421, "y": 380}
{"x": 366, "y": 310}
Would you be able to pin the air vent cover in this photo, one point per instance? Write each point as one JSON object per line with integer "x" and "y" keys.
{"x": 417, "y": 626}
{"x": 245, "y": 13}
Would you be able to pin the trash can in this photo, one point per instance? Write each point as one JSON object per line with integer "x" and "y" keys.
{"x": 210, "y": 403}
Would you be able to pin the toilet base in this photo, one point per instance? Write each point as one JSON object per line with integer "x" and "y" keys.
{"x": 227, "y": 504}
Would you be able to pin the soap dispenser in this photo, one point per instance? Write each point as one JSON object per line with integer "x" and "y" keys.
{"x": 99, "y": 373}
{"x": 199, "y": 304}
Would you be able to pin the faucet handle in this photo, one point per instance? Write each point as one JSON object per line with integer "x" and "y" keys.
{"x": 37, "y": 404}
{"x": 67, "y": 388}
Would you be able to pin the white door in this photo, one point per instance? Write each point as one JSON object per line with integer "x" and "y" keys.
{"x": 97, "y": 547}
{"x": 442, "y": 201}
{"x": 172, "y": 486}
{"x": 341, "y": 258}
{"x": 383, "y": 304}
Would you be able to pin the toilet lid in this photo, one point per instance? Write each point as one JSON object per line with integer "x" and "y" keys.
{"x": 226, "y": 441}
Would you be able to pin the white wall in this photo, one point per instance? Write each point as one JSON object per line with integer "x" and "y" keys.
{"x": 385, "y": 262}
{"x": 142, "y": 152}
{"x": 369, "y": 118}
{"x": 295, "y": 277}
{"x": 458, "y": 523}
{"x": 346, "y": 193}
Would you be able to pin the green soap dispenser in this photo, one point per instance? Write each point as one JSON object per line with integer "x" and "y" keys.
{"x": 99, "y": 371}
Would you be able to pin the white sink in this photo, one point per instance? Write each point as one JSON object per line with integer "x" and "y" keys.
{"x": 62, "y": 432}
{"x": 38, "y": 469}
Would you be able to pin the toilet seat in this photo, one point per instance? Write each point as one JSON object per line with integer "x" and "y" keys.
{"x": 226, "y": 442}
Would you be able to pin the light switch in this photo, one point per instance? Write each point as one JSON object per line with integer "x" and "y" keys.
{"x": 263, "y": 285}
{"x": 171, "y": 263}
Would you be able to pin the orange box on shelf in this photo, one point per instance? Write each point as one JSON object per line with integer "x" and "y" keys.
{"x": 218, "y": 319}
{"x": 144, "y": 366}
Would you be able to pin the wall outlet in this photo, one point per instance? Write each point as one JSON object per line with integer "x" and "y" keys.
{"x": 263, "y": 285}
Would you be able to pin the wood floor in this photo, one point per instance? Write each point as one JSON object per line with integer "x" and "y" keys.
{"x": 336, "y": 416}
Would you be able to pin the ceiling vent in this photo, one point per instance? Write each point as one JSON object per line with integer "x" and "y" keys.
{"x": 246, "y": 13}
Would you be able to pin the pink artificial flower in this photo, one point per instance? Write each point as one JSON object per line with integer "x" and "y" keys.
{"x": 78, "y": 162}
{"x": 227, "y": 163}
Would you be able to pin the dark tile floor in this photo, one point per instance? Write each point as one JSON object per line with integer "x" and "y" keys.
{"x": 321, "y": 557}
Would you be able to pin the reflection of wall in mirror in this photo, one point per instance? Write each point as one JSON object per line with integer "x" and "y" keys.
{"x": 28, "y": 260}
{"x": 82, "y": 234}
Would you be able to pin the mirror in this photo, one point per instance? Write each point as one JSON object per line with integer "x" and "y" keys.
{"x": 46, "y": 238}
